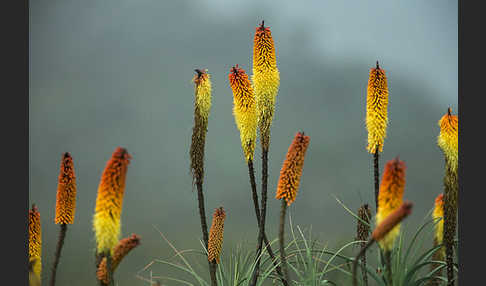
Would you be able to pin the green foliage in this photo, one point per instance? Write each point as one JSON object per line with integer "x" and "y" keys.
{"x": 312, "y": 263}
{"x": 235, "y": 268}
{"x": 411, "y": 263}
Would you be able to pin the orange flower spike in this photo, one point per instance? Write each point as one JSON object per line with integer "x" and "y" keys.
{"x": 288, "y": 183}
{"x": 376, "y": 109}
{"x": 390, "y": 197}
{"x": 35, "y": 241}
{"x": 109, "y": 201}
{"x": 123, "y": 247}
{"x": 215, "y": 244}
{"x": 244, "y": 110}
{"x": 448, "y": 138}
{"x": 391, "y": 221}
{"x": 66, "y": 192}
{"x": 266, "y": 79}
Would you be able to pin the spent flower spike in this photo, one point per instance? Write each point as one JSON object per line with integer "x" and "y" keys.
{"x": 202, "y": 107}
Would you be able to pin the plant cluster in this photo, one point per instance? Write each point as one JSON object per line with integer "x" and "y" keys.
{"x": 110, "y": 249}
{"x": 301, "y": 261}
{"x": 254, "y": 99}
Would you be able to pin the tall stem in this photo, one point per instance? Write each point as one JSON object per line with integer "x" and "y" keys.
{"x": 202, "y": 212}
{"x": 57, "y": 257}
{"x": 278, "y": 269}
{"x": 262, "y": 214}
{"x": 264, "y": 195}
{"x": 204, "y": 228}
{"x": 281, "y": 239}
{"x": 251, "y": 173}
{"x": 355, "y": 262}
{"x": 363, "y": 269}
{"x": 389, "y": 267}
{"x": 377, "y": 176}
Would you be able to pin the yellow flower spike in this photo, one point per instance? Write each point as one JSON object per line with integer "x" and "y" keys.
{"x": 202, "y": 106}
{"x": 244, "y": 110}
{"x": 376, "y": 109}
{"x": 291, "y": 172}
{"x": 266, "y": 80}
{"x": 35, "y": 242}
{"x": 448, "y": 138}
{"x": 390, "y": 197}
{"x": 202, "y": 87}
{"x": 438, "y": 213}
{"x": 109, "y": 201}
{"x": 215, "y": 244}
{"x": 66, "y": 192}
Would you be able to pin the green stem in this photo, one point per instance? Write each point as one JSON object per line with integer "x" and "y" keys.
{"x": 281, "y": 239}
{"x": 256, "y": 205}
{"x": 262, "y": 215}
{"x": 355, "y": 262}
{"x": 377, "y": 176}
{"x": 204, "y": 228}
{"x": 389, "y": 267}
{"x": 57, "y": 256}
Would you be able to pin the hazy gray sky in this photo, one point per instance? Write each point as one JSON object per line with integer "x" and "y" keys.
{"x": 118, "y": 73}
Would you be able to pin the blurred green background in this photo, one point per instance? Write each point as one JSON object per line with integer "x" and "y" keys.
{"x": 118, "y": 73}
